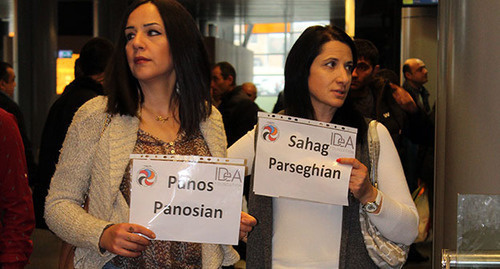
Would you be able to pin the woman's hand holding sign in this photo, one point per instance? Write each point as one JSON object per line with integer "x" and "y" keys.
{"x": 125, "y": 239}
{"x": 359, "y": 183}
{"x": 247, "y": 223}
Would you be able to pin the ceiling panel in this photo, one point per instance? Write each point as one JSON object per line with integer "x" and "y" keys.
{"x": 247, "y": 11}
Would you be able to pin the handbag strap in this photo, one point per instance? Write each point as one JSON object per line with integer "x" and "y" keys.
{"x": 374, "y": 151}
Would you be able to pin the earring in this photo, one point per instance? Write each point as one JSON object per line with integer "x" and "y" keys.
{"x": 177, "y": 88}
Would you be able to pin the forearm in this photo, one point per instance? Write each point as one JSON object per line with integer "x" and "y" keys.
{"x": 398, "y": 218}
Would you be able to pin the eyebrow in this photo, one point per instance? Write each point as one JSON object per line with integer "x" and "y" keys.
{"x": 145, "y": 25}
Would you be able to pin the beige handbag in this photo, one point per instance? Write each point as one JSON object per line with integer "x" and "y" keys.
{"x": 383, "y": 252}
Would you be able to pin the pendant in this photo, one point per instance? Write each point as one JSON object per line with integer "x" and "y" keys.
{"x": 161, "y": 119}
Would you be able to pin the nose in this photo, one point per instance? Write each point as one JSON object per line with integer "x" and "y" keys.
{"x": 345, "y": 76}
{"x": 137, "y": 41}
{"x": 355, "y": 73}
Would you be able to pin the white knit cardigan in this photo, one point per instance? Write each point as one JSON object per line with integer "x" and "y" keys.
{"x": 95, "y": 163}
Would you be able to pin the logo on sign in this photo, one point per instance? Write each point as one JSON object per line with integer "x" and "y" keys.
{"x": 147, "y": 177}
{"x": 339, "y": 141}
{"x": 270, "y": 133}
{"x": 223, "y": 174}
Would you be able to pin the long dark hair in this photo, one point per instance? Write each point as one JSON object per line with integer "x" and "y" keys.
{"x": 297, "y": 69}
{"x": 191, "y": 65}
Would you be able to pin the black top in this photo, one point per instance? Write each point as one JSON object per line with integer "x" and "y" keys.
{"x": 60, "y": 116}
{"x": 239, "y": 114}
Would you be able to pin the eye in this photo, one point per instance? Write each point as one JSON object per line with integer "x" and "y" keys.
{"x": 153, "y": 33}
{"x": 129, "y": 36}
{"x": 331, "y": 64}
{"x": 349, "y": 67}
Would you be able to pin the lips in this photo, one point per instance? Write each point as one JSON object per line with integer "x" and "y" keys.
{"x": 340, "y": 92}
{"x": 140, "y": 60}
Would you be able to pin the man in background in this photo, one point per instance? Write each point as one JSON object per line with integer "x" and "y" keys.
{"x": 94, "y": 57}
{"x": 7, "y": 87}
{"x": 250, "y": 89}
{"x": 239, "y": 112}
{"x": 415, "y": 74}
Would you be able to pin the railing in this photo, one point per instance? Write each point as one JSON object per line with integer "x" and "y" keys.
{"x": 451, "y": 259}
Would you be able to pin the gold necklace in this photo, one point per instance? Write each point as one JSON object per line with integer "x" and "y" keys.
{"x": 157, "y": 117}
{"x": 161, "y": 119}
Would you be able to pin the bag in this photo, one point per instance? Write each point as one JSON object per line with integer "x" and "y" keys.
{"x": 383, "y": 252}
{"x": 421, "y": 199}
{"x": 67, "y": 253}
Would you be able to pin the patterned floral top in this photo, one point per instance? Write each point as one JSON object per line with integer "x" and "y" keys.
{"x": 164, "y": 254}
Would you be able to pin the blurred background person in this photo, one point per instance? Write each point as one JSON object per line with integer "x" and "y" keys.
{"x": 239, "y": 112}
{"x": 7, "y": 87}
{"x": 250, "y": 89}
{"x": 17, "y": 219}
{"x": 89, "y": 75}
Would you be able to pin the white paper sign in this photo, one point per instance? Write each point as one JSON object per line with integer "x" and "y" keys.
{"x": 187, "y": 198}
{"x": 295, "y": 158}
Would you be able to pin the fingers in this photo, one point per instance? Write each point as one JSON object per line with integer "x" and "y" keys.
{"x": 247, "y": 223}
{"x": 350, "y": 161}
{"x": 135, "y": 228}
{"x": 125, "y": 239}
{"x": 248, "y": 219}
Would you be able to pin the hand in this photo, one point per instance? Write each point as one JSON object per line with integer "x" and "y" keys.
{"x": 403, "y": 98}
{"x": 247, "y": 223}
{"x": 359, "y": 182}
{"x": 123, "y": 239}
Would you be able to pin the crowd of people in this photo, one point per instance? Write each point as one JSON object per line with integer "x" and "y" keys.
{"x": 155, "y": 92}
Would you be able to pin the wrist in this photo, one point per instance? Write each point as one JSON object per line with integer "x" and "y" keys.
{"x": 370, "y": 196}
{"x": 373, "y": 206}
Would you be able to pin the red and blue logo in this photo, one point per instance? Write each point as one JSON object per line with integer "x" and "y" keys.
{"x": 147, "y": 177}
{"x": 270, "y": 133}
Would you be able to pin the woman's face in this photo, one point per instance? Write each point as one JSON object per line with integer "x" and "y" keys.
{"x": 330, "y": 76}
{"x": 147, "y": 49}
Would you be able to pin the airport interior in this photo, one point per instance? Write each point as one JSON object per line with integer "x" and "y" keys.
{"x": 456, "y": 39}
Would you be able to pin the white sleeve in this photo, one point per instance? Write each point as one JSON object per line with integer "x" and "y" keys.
{"x": 398, "y": 217}
{"x": 244, "y": 149}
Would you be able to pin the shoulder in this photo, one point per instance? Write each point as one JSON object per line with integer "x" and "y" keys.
{"x": 92, "y": 111}
{"x": 212, "y": 130}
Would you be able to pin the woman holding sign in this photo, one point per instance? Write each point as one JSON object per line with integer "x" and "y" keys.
{"x": 300, "y": 234}
{"x": 159, "y": 103}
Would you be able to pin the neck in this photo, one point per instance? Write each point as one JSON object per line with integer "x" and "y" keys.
{"x": 414, "y": 85}
{"x": 99, "y": 78}
{"x": 324, "y": 113}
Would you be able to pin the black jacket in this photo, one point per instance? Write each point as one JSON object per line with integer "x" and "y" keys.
{"x": 60, "y": 116}
{"x": 239, "y": 114}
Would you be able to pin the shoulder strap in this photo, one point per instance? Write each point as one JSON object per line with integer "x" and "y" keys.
{"x": 374, "y": 150}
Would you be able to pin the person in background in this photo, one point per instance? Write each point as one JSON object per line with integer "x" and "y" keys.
{"x": 318, "y": 74}
{"x": 158, "y": 84}
{"x": 280, "y": 102}
{"x": 89, "y": 74}
{"x": 379, "y": 98}
{"x": 17, "y": 219}
{"x": 415, "y": 74}
{"x": 419, "y": 158}
{"x": 250, "y": 89}
{"x": 239, "y": 112}
{"x": 7, "y": 87}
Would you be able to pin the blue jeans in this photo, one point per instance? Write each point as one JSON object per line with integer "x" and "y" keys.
{"x": 110, "y": 265}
